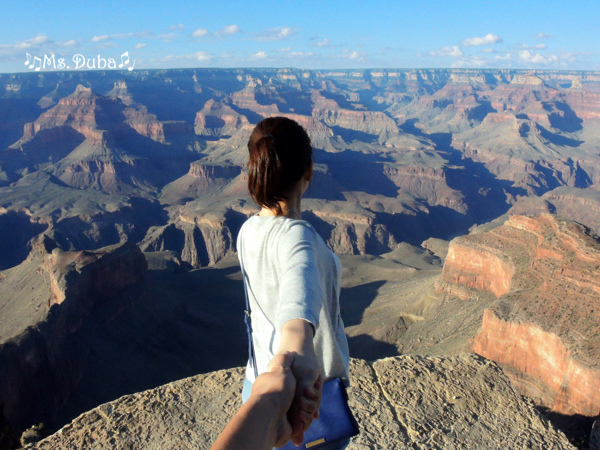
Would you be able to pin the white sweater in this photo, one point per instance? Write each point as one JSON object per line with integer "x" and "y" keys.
{"x": 292, "y": 274}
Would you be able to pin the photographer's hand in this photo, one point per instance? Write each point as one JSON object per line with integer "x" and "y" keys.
{"x": 262, "y": 422}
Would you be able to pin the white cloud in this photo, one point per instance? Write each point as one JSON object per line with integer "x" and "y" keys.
{"x": 353, "y": 55}
{"x": 301, "y": 54}
{"x": 276, "y": 34}
{"x": 474, "y": 61}
{"x": 40, "y": 39}
{"x": 109, "y": 37}
{"x": 542, "y": 36}
{"x": 285, "y": 49}
{"x": 506, "y": 58}
{"x": 453, "y": 51}
{"x": 536, "y": 58}
{"x": 259, "y": 55}
{"x": 102, "y": 38}
{"x": 198, "y": 56}
{"x": 203, "y": 56}
{"x": 324, "y": 43}
{"x": 167, "y": 37}
{"x": 228, "y": 31}
{"x": 535, "y": 47}
{"x": 200, "y": 32}
{"x": 71, "y": 43}
{"x": 142, "y": 45}
{"x": 568, "y": 56}
{"x": 488, "y": 39}
{"x": 179, "y": 26}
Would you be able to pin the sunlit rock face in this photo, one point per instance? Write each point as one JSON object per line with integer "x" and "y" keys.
{"x": 545, "y": 271}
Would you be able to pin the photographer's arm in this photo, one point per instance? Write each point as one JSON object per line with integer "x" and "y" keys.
{"x": 261, "y": 422}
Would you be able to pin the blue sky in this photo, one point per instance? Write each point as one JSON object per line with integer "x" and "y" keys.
{"x": 304, "y": 34}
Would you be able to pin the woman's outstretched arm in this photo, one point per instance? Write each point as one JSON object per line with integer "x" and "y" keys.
{"x": 297, "y": 337}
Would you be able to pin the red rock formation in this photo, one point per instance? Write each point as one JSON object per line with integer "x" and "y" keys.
{"x": 144, "y": 123}
{"x": 542, "y": 355}
{"x": 478, "y": 267}
{"x": 545, "y": 270}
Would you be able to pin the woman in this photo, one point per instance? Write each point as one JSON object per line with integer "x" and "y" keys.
{"x": 293, "y": 279}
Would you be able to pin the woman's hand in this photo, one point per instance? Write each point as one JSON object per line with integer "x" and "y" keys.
{"x": 297, "y": 337}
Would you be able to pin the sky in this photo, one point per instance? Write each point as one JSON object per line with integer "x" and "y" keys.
{"x": 325, "y": 34}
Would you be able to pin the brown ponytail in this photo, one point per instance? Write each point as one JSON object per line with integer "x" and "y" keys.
{"x": 280, "y": 153}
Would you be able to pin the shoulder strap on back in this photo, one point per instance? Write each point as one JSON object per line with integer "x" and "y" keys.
{"x": 247, "y": 312}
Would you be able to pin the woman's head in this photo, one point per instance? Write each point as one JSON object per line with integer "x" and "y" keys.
{"x": 280, "y": 155}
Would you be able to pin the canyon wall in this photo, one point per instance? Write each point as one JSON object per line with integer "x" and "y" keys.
{"x": 41, "y": 366}
{"x": 530, "y": 349}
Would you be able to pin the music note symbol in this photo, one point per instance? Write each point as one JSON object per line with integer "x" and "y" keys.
{"x": 132, "y": 66}
{"x": 124, "y": 60}
{"x": 35, "y": 60}
{"x": 28, "y": 59}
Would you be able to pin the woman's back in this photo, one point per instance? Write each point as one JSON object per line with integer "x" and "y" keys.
{"x": 292, "y": 274}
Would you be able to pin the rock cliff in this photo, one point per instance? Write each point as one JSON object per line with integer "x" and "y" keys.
{"x": 546, "y": 322}
{"x": 461, "y": 401}
{"x": 40, "y": 363}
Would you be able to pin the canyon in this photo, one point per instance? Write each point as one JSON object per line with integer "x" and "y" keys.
{"x": 464, "y": 205}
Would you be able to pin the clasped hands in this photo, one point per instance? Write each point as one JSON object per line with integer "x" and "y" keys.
{"x": 283, "y": 403}
{"x": 296, "y": 380}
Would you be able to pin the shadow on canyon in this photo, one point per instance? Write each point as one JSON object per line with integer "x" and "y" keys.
{"x": 576, "y": 427}
{"x": 171, "y": 326}
{"x": 468, "y": 176}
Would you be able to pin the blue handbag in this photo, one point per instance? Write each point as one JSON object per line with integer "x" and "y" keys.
{"x": 335, "y": 421}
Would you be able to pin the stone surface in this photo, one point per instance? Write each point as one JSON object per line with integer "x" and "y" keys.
{"x": 462, "y": 401}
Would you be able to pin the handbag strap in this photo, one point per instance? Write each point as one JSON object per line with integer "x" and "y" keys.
{"x": 247, "y": 317}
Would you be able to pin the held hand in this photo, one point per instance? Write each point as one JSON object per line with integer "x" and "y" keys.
{"x": 307, "y": 400}
{"x": 279, "y": 386}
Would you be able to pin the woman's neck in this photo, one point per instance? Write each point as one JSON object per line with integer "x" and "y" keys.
{"x": 292, "y": 207}
{"x": 290, "y": 212}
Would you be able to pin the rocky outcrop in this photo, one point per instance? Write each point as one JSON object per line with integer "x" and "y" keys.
{"x": 104, "y": 272}
{"x": 580, "y": 205}
{"x": 425, "y": 183}
{"x": 200, "y": 241}
{"x": 407, "y": 401}
{"x": 41, "y": 365}
{"x": 478, "y": 267}
{"x": 144, "y": 123}
{"x": 218, "y": 119}
{"x": 351, "y": 234}
{"x": 544, "y": 270}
